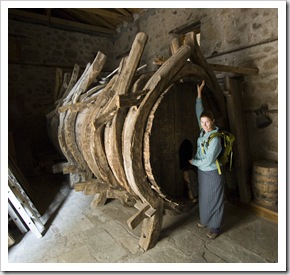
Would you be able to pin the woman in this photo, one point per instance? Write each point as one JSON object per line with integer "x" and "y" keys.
{"x": 211, "y": 183}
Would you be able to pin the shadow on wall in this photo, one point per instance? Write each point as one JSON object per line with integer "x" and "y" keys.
{"x": 28, "y": 142}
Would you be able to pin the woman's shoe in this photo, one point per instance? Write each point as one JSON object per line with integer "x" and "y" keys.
{"x": 212, "y": 235}
{"x": 200, "y": 225}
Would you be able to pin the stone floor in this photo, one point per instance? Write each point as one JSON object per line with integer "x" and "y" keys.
{"x": 77, "y": 233}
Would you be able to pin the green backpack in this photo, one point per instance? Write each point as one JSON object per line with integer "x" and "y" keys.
{"x": 226, "y": 155}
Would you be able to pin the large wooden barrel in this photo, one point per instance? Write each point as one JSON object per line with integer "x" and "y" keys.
{"x": 129, "y": 133}
{"x": 265, "y": 182}
{"x": 128, "y": 139}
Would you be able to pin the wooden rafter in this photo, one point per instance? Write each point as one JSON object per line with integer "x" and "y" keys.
{"x": 61, "y": 13}
{"x": 78, "y": 15}
{"x": 108, "y": 14}
{"x": 59, "y": 22}
{"x": 124, "y": 12}
{"x": 234, "y": 69}
{"x": 214, "y": 67}
{"x": 92, "y": 18}
{"x": 105, "y": 20}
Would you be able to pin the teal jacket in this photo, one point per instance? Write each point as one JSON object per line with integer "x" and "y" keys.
{"x": 206, "y": 161}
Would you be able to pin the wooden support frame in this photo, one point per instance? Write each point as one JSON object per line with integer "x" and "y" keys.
{"x": 151, "y": 227}
{"x": 233, "y": 69}
{"x": 22, "y": 203}
{"x": 14, "y": 215}
{"x": 29, "y": 221}
{"x": 217, "y": 67}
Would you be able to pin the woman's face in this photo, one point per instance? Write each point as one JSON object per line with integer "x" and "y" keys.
{"x": 207, "y": 124}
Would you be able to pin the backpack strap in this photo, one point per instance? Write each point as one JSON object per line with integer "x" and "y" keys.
{"x": 231, "y": 161}
{"x": 207, "y": 141}
{"x": 218, "y": 166}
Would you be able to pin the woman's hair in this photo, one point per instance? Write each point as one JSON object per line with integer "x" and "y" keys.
{"x": 207, "y": 113}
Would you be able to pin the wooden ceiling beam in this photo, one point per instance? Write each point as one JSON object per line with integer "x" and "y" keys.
{"x": 234, "y": 69}
{"x": 83, "y": 26}
{"x": 59, "y": 22}
{"x": 85, "y": 17}
{"x": 61, "y": 13}
{"x": 79, "y": 16}
{"x": 108, "y": 14}
{"x": 95, "y": 19}
{"x": 124, "y": 12}
{"x": 29, "y": 15}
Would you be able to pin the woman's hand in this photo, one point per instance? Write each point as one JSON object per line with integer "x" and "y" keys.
{"x": 200, "y": 88}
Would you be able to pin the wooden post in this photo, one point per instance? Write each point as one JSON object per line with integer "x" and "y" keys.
{"x": 151, "y": 227}
{"x": 238, "y": 128}
{"x": 174, "y": 46}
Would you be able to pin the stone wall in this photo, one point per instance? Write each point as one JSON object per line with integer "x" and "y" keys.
{"x": 35, "y": 51}
{"x": 235, "y": 37}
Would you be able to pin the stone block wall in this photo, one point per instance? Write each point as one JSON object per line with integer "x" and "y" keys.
{"x": 35, "y": 51}
{"x": 235, "y": 37}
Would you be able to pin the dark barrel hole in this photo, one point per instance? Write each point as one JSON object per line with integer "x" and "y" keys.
{"x": 185, "y": 154}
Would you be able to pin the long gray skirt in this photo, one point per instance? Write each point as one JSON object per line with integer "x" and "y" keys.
{"x": 211, "y": 198}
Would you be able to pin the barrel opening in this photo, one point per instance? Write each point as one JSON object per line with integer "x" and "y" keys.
{"x": 185, "y": 154}
{"x": 173, "y": 140}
